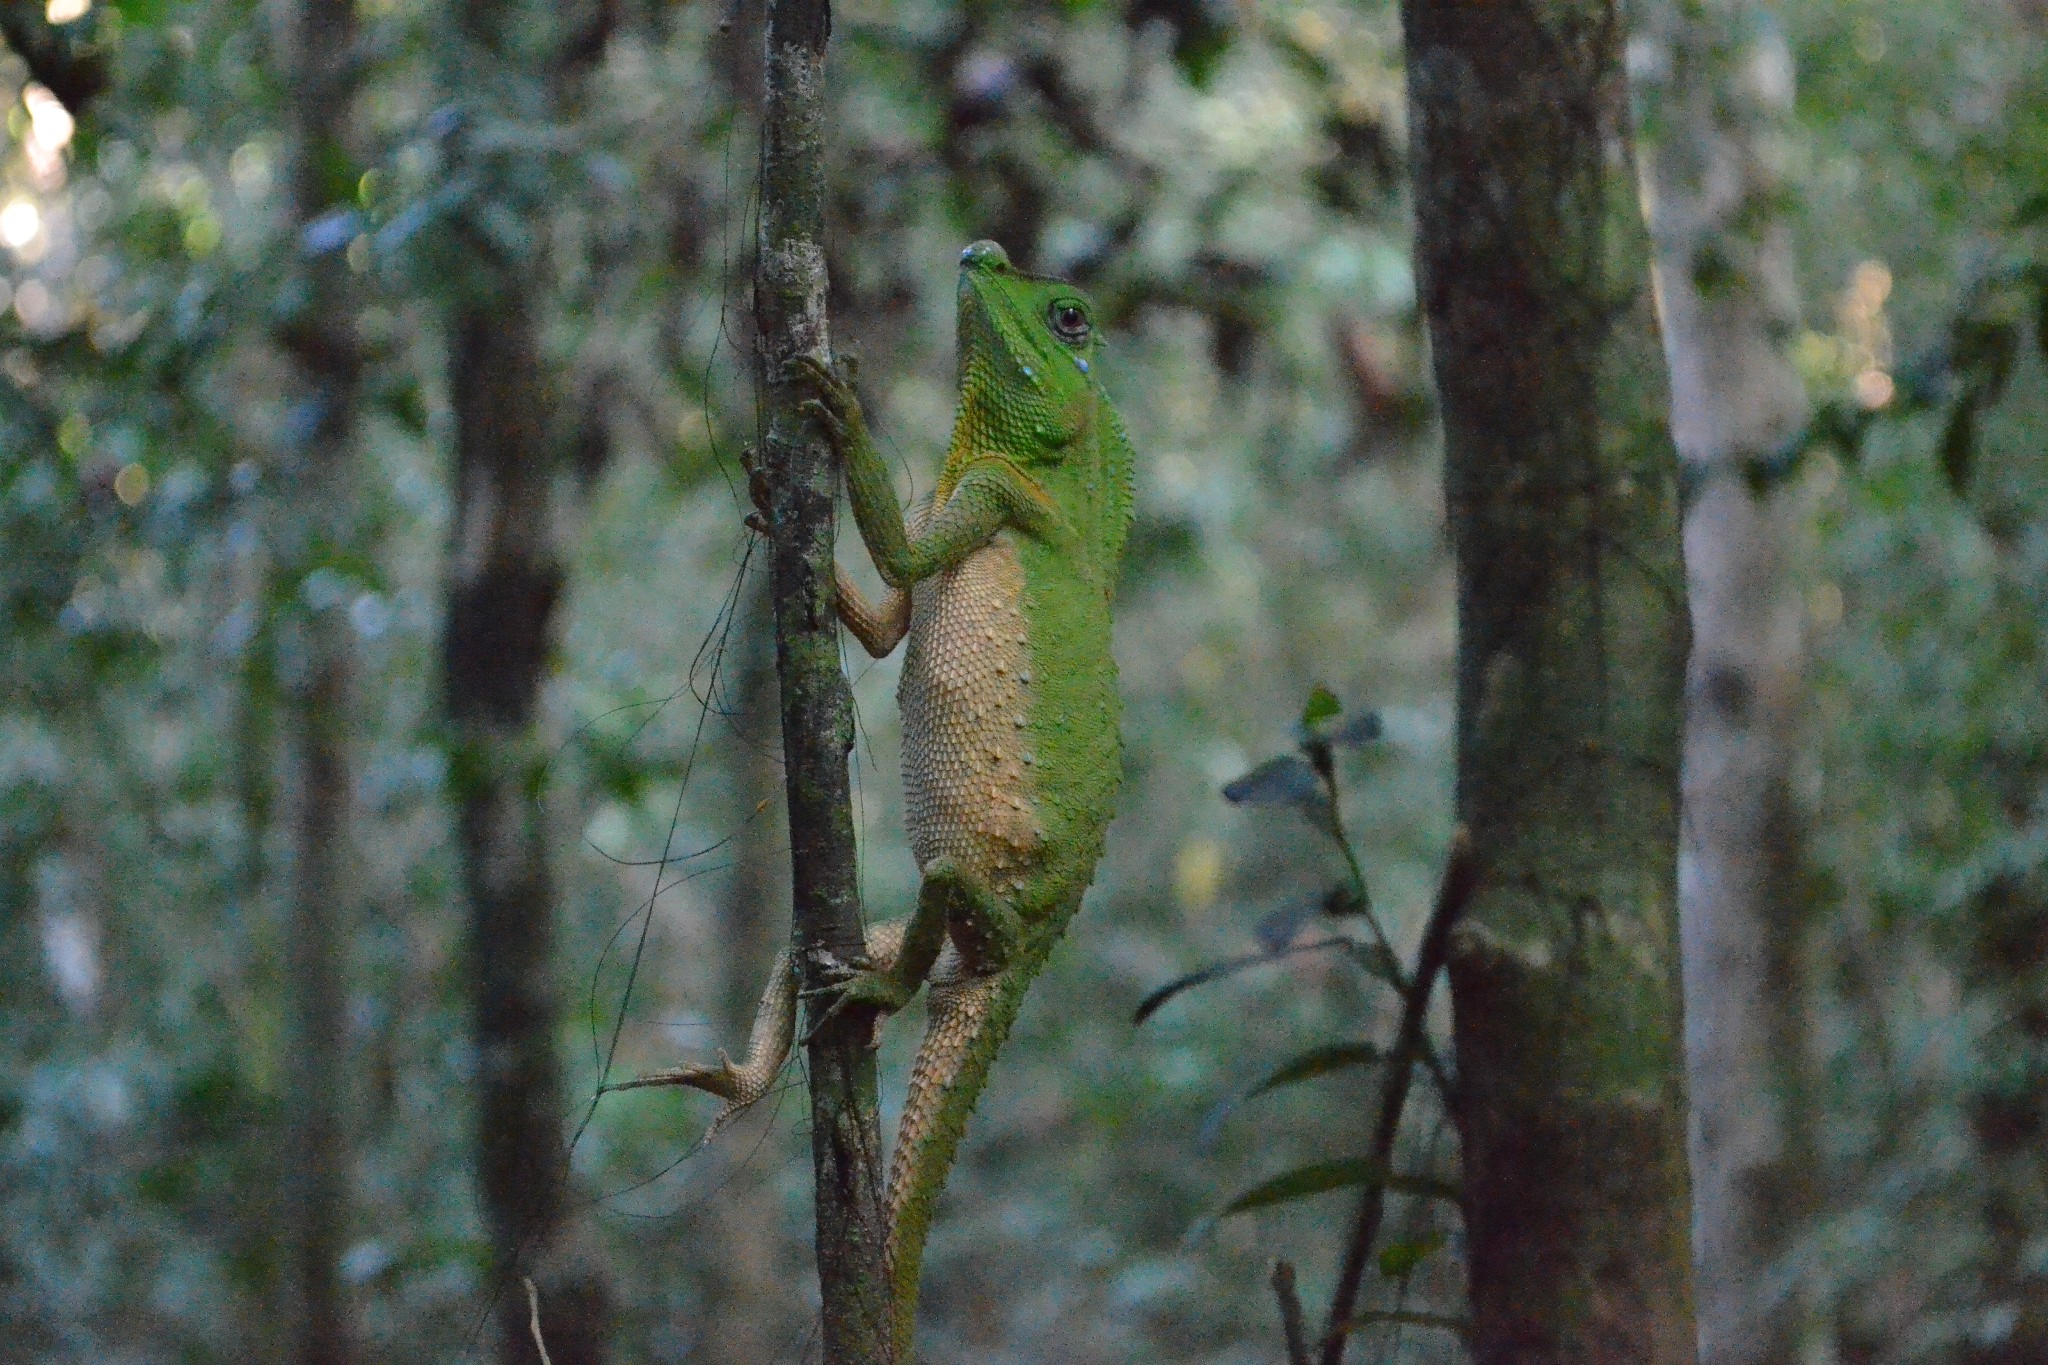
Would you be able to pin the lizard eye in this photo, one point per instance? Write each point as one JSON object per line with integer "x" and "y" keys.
{"x": 1069, "y": 321}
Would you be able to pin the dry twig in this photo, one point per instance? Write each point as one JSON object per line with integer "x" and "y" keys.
{"x": 1290, "y": 1312}
{"x": 533, "y": 1319}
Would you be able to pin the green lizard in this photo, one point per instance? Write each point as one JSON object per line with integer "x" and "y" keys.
{"x": 1011, "y": 754}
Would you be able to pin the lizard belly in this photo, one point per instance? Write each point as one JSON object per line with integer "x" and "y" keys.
{"x": 967, "y": 779}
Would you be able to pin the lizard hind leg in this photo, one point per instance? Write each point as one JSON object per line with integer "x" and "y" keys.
{"x": 740, "y": 1084}
{"x": 973, "y": 999}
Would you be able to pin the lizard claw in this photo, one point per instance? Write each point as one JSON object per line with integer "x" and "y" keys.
{"x": 758, "y": 490}
{"x": 878, "y": 991}
{"x": 824, "y": 415}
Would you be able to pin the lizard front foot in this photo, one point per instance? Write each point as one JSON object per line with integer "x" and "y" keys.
{"x": 835, "y": 405}
{"x": 874, "y": 988}
{"x": 758, "y": 491}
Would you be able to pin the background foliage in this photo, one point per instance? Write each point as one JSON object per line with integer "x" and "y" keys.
{"x": 1228, "y": 179}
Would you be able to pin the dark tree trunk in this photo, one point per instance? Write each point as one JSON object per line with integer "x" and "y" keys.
{"x": 505, "y": 579}
{"x": 817, "y": 710}
{"x": 1564, "y": 513}
{"x": 1718, "y": 90}
{"x": 312, "y": 524}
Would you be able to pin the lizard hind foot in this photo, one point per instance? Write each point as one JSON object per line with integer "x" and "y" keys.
{"x": 741, "y": 1083}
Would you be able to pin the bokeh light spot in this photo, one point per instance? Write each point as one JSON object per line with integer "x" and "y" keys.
{"x": 131, "y": 485}
{"x": 20, "y": 221}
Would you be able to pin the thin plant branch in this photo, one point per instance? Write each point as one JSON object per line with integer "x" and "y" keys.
{"x": 1453, "y": 893}
{"x": 1291, "y": 1323}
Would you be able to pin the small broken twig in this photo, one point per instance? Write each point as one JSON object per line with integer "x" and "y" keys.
{"x": 533, "y": 1319}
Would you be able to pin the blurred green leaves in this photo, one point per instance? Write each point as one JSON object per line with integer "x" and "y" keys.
{"x": 1322, "y": 1177}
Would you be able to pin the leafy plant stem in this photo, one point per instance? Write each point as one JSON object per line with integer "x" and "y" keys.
{"x": 1319, "y": 757}
{"x": 1453, "y": 894}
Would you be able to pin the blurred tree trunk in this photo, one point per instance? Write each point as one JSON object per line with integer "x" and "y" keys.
{"x": 314, "y": 526}
{"x": 1564, "y": 513}
{"x": 504, "y": 582}
{"x": 1717, "y": 93}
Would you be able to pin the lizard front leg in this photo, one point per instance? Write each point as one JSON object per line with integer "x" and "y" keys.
{"x": 990, "y": 494}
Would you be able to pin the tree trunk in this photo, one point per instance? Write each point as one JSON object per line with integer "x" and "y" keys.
{"x": 312, "y": 525}
{"x": 1564, "y": 513}
{"x": 1717, "y": 88}
{"x": 505, "y": 580}
{"x": 817, "y": 709}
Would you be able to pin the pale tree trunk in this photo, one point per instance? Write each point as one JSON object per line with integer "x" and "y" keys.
{"x": 312, "y": 523}
{"x": 1563, "y": 497}
{"x": 1716, "y": 84}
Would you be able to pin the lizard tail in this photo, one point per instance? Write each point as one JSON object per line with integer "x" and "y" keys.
{"x": 968, "y": 1021}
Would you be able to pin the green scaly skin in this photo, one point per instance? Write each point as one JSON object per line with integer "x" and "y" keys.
{"x": 1039, "y": 463}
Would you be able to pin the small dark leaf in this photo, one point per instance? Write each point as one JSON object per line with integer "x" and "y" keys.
{"x": 1399, "y": 1260}
{"x": 1317, "y": 1061}
{"x": 1401, "y": 1318}
{"x": 1306, "y": 1066}
{"x": 1229, "y": 966}
{"x": 1959, "y": 445}
{"x": 1322, "y": 706}
{"x": 1320, "y": 1177}
{"x": 1359, "y": 728}
{"x": 1378, "y": 962}
{"x": 1279, "y": 929}
{"x": 1151, "y": 1003}
{"x": 1340, "y": 902}
{"x": 1284, "y": 781}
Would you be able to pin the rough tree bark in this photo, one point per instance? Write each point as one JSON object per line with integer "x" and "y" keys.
{"x": 1563, "y": 497}
{"x": 817, "y": 709}
{"x": 1715, "y": 80}
{"x": 311, "y": 526}
{"x": 505, "y": 579}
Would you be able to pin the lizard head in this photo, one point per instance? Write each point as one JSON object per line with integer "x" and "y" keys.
{"x": 1028, "y": 348}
